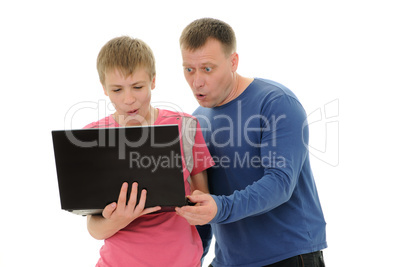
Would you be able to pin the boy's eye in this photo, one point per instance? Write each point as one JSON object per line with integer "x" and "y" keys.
{"x": 137, "y": 87}
{"x": 116, "y": 90}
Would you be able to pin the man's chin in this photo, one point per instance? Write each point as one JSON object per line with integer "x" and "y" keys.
{"x": 205, "y": 104}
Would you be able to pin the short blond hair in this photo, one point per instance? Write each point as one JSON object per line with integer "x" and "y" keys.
{"x": 198, "y": 32}
{"x": 125, "y": 54}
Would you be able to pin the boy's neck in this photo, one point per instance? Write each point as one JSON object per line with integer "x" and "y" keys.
{"x": 148, "y": 120}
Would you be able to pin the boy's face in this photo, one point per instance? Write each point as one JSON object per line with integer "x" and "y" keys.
{"x": 210, "y": 73}
{"x": 130, "y": 96}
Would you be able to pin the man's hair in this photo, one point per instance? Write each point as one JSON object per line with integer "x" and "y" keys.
{"x": 197, "y": 33}
{"x": 125, "y": 54}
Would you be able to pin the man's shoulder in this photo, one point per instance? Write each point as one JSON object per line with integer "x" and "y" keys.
{"x": 271, "y": 86}
{"x": 267, "y": 89}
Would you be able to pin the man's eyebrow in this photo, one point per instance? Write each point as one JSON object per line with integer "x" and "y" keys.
{"x": 209, "y": 63}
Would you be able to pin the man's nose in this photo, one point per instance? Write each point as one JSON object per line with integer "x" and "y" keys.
{"x": 199, "y": 80}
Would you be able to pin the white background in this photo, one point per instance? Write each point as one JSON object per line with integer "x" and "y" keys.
{"x": 342, "y": 55}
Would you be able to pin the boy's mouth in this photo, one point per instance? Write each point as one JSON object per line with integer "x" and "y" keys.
{"x": 132, "y": 112}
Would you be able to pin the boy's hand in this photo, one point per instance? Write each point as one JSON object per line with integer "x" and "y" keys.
{"x": 121, "y": 214}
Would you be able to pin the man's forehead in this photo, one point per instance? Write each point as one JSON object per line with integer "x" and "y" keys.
{"x": 209, "y": 53}
{"x": 209, "y": 44}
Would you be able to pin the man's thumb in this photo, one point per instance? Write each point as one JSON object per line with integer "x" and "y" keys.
{"x": 197, "y": 196}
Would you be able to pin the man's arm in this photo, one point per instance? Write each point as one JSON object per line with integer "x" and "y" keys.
{"x": 274, "y": 188}
{"x": 118, "y": 215}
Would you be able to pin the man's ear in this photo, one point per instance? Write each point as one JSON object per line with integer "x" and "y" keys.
{"x": 234, "y": 59}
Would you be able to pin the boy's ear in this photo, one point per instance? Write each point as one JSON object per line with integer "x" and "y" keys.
{"x": 153, "y": 83}
{"x": 104, "y": 90}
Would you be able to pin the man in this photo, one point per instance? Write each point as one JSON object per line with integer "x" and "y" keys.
{"x": 264, "y": 208}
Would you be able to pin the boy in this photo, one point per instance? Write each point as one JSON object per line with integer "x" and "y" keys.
{"x": 133, "y": 236}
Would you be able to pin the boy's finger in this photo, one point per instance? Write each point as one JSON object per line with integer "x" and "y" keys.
{"x": 133, "y": 196}
{"x": 108, "y": 210}
{"x": 143, "y": 198}
{"x": 121, "y": 202}
{"x": 150, "y": 210}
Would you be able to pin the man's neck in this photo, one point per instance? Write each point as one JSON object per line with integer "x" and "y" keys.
{"x": 239, "y": 86}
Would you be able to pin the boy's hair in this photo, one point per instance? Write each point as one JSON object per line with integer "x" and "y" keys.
{"x": 197, "y": 33}
{"x": 125, "y": 54}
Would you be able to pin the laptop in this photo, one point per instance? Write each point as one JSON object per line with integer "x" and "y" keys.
{"x": 92, "y": 165}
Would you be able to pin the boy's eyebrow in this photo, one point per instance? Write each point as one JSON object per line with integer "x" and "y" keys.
{"x": 118, "y": 85}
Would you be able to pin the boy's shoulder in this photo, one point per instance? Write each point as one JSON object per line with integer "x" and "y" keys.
{"x": 169, "y": 114}
{"x": 184, "y": 120}
{"x": 106, "y": 122}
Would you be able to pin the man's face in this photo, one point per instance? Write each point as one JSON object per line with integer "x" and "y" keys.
{"x": 131, "y": 96}
{"x": 210, "y": 73}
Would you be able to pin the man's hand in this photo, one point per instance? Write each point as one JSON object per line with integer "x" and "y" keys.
{"x": 202, "y": 213}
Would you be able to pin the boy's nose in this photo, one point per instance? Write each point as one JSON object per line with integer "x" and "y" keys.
{"x": 129, "y": 99}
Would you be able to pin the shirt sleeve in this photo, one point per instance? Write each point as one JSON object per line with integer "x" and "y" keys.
{"x": 289, "y": 141}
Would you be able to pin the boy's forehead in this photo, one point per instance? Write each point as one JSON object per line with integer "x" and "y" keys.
{"x": 117, "y": 75}
{"x": 125, "y": 73}
{"x": 116, "y": 71}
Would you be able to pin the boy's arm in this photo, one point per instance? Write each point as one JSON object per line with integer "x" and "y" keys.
{"x": 118, "y": 215}
{"x": 199, "y": 181}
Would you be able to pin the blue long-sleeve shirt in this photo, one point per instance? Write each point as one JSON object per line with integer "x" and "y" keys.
{"x": 262, "y": 183}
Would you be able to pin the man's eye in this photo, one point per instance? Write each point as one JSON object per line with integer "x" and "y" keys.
{"x": 208, "y": 69}
{"x": 189, "y": 69}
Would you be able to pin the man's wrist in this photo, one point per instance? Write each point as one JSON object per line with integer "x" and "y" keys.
{"x": 218, "y": 203}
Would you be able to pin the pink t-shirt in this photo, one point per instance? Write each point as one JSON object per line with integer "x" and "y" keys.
{"x": 161, "y": 239}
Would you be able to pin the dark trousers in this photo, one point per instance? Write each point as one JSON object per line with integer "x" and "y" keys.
{"x": 314, "y": 259}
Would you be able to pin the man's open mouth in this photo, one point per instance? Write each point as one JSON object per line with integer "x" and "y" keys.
{"x": 200, "y": 96}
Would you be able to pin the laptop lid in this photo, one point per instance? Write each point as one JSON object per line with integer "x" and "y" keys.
{"x": 92, "y": 165}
